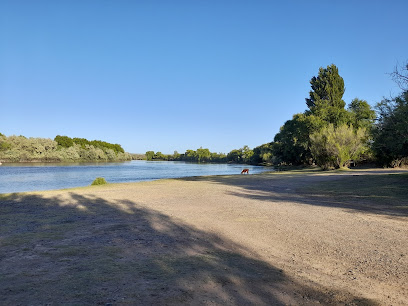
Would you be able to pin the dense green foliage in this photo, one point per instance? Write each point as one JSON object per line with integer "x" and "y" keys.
{"x": 391, "y": 131}
{"x": 242, "y": 155}
{"x": 291, "y": 144}
{"x": 361, "y": 115}
{"x": 262, "y": 154}
{"x": 62, "y": 149}
{"x": 66, "y": 142}
{"x": 326, "y": 97}
{"x": 335, "y": 147}
{"x": 99, "y": 181}
{"x": 149, "y": 155}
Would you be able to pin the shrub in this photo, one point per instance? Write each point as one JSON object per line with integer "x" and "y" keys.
{"x": 337, "y": 146}
{"x": 99, "y": 181}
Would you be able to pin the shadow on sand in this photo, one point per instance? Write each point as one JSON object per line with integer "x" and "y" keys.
{"x": 368, "y": 191}
{"x": 75, "y": 249}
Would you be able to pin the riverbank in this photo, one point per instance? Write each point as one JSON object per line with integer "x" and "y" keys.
{"x": 294, "y": 238}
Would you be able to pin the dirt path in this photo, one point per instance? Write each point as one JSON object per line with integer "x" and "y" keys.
{"x": 261, "y": 239}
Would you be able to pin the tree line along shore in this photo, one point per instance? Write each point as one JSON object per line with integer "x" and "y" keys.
{"x": 326, "y": 134}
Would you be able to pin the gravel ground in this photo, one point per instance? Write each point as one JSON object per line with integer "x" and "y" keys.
{"x": 231, "y": 240}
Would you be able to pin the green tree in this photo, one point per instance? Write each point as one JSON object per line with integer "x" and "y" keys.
{"x": 361, "y": 114}
{"x": 176, "y": 155}
{"x": 218, "y": 157}
{"x": 326, "y": 97}
{"x": 235, "y": 156}
{"x": 159, "y": 156}
{"x": 262, "y": 154}
{"x": 391, "y": 131}
{"x": 246, "y": 154}
{"x": 291, "y": 144}
{"x": 190, "y": 156}
{"x": 203, "y": 155}
{"x": 240, "y": 156}
{"x": 337, "y": 146}
{"x": 149, "y": 155}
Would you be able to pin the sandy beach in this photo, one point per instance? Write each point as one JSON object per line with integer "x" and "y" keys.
{"x": 267, "y": 239}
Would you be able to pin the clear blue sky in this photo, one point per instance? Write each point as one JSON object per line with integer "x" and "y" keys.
{"x": 176, "y": 75}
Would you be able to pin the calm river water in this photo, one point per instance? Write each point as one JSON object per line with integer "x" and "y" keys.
{"x": 31, "y": 177}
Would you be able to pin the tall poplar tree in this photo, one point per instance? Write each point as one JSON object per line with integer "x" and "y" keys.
{"x": 326, "y": 97}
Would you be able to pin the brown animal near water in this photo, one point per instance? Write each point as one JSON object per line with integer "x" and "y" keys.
{"x": 245, "y": 171}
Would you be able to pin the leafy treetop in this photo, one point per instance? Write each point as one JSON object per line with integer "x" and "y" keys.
{"x": 326, "y": 97}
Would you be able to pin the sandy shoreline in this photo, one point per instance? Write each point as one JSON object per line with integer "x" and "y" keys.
{"x": 258, "y": 239}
